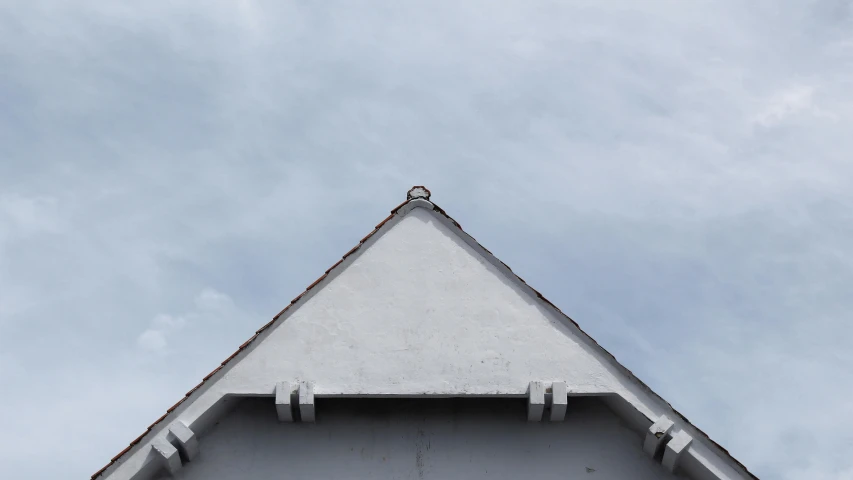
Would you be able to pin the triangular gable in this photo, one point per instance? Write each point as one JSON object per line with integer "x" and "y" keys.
{"x": 418, "y": 308}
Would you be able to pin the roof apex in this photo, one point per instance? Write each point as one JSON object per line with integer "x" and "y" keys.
{"x": 418, "y": 191}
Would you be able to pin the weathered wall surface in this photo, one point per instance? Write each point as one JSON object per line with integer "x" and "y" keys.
{"x": 421, "y": 312}
{"x": 422, "y": 439}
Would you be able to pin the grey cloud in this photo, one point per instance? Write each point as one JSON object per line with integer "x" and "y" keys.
{"x": 674, "y": 175}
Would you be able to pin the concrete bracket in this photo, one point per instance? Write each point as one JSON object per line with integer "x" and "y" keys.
{"x": 675, "y": 449}
{"x": 535, "y": 401}
{"x": 657, "y": 435}
{"x": 283, "y": 405}
{"x": 168, "y": 454}
{"x": 559, "y": 401}
{"x": 187, "y": 442}
{"x": 306, "y": 402}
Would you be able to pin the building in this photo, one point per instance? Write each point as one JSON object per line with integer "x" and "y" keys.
{"x": 421, "y": 355}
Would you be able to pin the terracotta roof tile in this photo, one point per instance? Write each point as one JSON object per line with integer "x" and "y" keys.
{"x": 231, "y": 356}
{"x": 367, "y": 237}
{"x": 335, "y": 265}
{"x": 247, "y": 342}
{"x": 323, "y": 277}
{"x": 173, "y": 407}
{"x": 207, "y": 377}
{"x": 192, "y": 390}
{"x": 124, "y": 451}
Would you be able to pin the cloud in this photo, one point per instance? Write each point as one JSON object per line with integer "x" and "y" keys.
{"x": 162, "y": 326}
{"x": 209, "y": 305}
{"x": 210, "y": 300}
{"x": 152, "y": 339}
{"x": 786, "y": 103}
{"x": 27, "y": 215}
{"x": 668, "y": 174}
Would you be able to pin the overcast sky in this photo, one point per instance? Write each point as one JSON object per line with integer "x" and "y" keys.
{"x": 675, "y": 175}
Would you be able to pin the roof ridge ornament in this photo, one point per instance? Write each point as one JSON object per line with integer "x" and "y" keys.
{"x": 418, "y": 191}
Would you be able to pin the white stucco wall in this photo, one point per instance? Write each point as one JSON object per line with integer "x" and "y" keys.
{"x": 420, "y": 312}
{"x": 439, "y": 439}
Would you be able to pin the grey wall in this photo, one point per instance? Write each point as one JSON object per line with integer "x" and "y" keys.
{"x": 415, "y": 439}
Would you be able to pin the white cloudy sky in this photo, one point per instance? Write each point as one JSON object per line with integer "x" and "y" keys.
{"x": 676, "y": 175}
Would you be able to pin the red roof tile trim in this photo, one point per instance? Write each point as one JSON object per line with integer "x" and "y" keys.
{"x": 439, "y": 210}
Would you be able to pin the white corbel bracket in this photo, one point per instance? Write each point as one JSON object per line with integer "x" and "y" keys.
{"x": 535, "y": 401}
{"x": 306, "y": 402}
{"x": 187, "y": 442}
{"x": 656, "y": 436}
{"x": 283, "y": 405}
{"x": 289, "y": 401}
{"x": 675, "y": 449}
{"x": 168, "y": 454}
{"x": 559, "y": 401}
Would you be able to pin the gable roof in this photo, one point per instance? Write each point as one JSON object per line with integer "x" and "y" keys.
{"x": 417, "y": 197}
